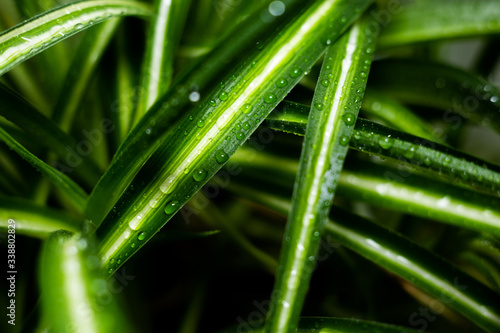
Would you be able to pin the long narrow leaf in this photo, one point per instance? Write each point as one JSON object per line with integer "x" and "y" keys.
{"x": 87, "y": 56}
{"x": 205, "y": 138}
{"x": 426, "y": 156}
{"x": 72, "y": 191}
{"x": 150, "y": 132}
{"x": 158, "y": 65}
{"x": 46, "y": 132}
{"x": 406, "y": 259}
{"x": 335, "y": 108}
{"x": 74, "y": 295}
{"x": 439, "y": 86}
{"x": 37, "y": 34}
{"x": 387, "y": 187}
{"x": 415, "y": 23}
{"x": 34, "y": 220}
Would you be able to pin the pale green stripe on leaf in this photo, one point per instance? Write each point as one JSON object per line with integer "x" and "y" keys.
{"x": 336, "y": 103}
{"x": 201, "y": 142}
{"x": 161, "y": 45}
{"x": 417, "y": 265}
{"x": 237, "y": 43}
{"x": 72, "y": 287}
{"x": 423, "y": 155}
{"x": 415, "y": 23}
{"x": 39, "y": 33}
{"x": 33, "y": 220}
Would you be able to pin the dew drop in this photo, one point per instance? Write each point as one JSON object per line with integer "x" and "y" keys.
{"x": 132, "y": 245}
{"x": 171, "y": 207}
{"x": 363, "y": 74}
{"x": 110, "y": 271}
{"x": 212, "y": 102}
{"x": 200, "y": 123}
{"x": 295, "y": 72}
{"x": 247, "y": 108}
{"x": 240, "y": 136}
{"x": 223, "y": 96}
{"x": 348, "y": 119}
{"x": 199, "y": 175}
{"x": 270, "y": 99}
{"x": 344, "y": 141}
{"x": 221, "y": 157}
{"x": 325, "y": 83}
{"x": 386, "y": 143}
{"x": 281, "y": 83}
{"x": 319, "y": 106}
{"x": 141, "y": 236}
{"x": 246, "y": 126}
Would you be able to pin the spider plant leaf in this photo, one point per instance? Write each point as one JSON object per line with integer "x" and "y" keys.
{"x": 397, "y": 116}
{"x": 74, "y": 295}
{"x": 425, "y": 156}
{"x": 395, "y": 189}
{"x": 405, "y": 192}
{"x": 415, "y": 23}
{"x": 439, "y": 86}
{"x": 39, "y": 33}
{"x": 161, "y": 45}
{"x": 206, "y": 136}
{"x": 46, "y": 132}
{"x": 336, "y": 103}
{"x": 73, "y": 192}
{"x": 87, "y": 56}
{"x": 395, "y": 253}
{"x": 33, "y": 220}
{"x": 151, "y": 130}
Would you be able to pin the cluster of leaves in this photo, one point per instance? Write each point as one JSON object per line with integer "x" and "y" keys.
{"x": 238, "y": 122}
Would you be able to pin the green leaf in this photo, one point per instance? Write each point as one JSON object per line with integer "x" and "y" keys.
{"x": 415, "y": 23}
{"x": 336, "y": 103}
{"x": 39, "y": 33}
{"x": 425, "y": 156}
{"x": 87, "y": 56}
{"x": 151, "y": 131}
{"x": 395, "y": 189}
{"x": 34, "y": 220}
{"x": 74, "y": 295}
{"x": 45, "y": 132}
{"x": 439, "y": 86}
{"x": 393, "y": 252}
{"x": 162, "y": 43}
{"x": 397, "y": 116}
{"x": 73, "y": 192}
{"x": 204, "y": 139}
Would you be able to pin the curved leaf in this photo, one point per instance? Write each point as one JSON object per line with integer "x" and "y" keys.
{"x": 415, "y": 23}
{"x": 336, "y": 103}
{"x": 39, "y": 33}
{"x": 204, "y": 139}
{"x": 74, "y": 295}
{"x": 72, "y": 191}
{"x": 425, "y": 156}
{"x": 439, "y": 86}
{"x": 34, "y": 220}
{"x": 151, "y": 130}
{"x": 391, "y": 251}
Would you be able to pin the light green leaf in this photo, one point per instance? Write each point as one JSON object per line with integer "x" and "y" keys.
{"x": 39, "y": 33}
{"x": 415, "y": 23}
{"x": 204, "y": 139}
{"x": 33, "y": 220}
{"x": 336, "y": 103}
